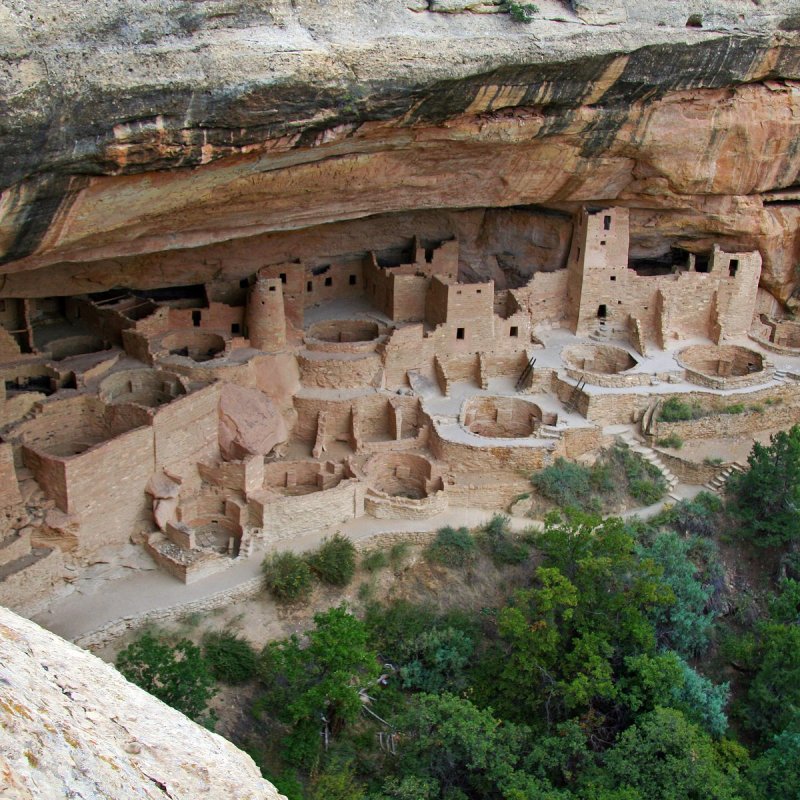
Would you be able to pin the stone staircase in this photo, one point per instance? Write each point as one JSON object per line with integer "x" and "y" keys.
{"x": 718, "y": 482}
{"x": 627, "y": 438}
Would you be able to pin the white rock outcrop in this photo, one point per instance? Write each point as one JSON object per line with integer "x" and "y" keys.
{"x": 72, "y": 726}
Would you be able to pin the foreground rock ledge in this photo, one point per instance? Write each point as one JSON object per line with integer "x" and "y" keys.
{"x": 72, "y": 726}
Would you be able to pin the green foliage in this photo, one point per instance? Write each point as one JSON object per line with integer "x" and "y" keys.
{"x": 496, "y": 539}
{"x": 435, "y": 660}
{"x": 175, "y": 673}
{"x": 398, "y": 554}
{"x": 374, "y": 560}
{"x": 567, "y": 484}
{"x": 230, "y": 658}
{"x": 665, "y": 756}
{"x": 776, "y": 772}
{"x": 334, "y": 562}
{"x": 567, "y": 638}
{"x": 699, "y": 516}
{"x": 676, "y": 410}
{"x": 672, "y": 440}
{"x": 287, "y": 576}
{"x": 733, "y": 408}
{"x": 766, "y": 498}
{"x": 685, "y": 624}
{"x": 521, "y": 12}
{"x": 452, "y": 547}
{"x": 337, "y": 783}
{"x": 646, "y": 491}
{"x": 702, "y": 701}
{"x": 304, "y": 683}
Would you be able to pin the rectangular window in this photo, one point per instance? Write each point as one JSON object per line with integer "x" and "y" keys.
{"x": 606, "y": 223}
{"x": 733, "y": 266}
{"x": 613, "y": 277}
{"x": 603, "y": 242}
{"x": 196, "y": 317}
{"x": 479, "y": 291}
{"x": 329, "y": 281}
{"x": 352, "y": 280}
{"x": 272, "y": 288}
{"x": 459, "y": 333}
{"x": 283, "y": 277}
{"x": 514, "y": 331}
{"x": 309, "y": 286}
{"x": 235, "y": 328}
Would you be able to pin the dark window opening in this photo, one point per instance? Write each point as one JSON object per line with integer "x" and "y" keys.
{"x": 514, "y": 331}
{"x": 602, "y": 311}
{"x": 2, "y": 305}
{"x": 603, "y": 242}
{"x": 459, "y": 333}
{"x": 613, "y": 277}
{"x": 235, "y": 327}
{"x": 733, "y": 267}
{"x": 196, "y": 317}
{"x": 244, "y": 283}
{"x": 309, "y": 286}
{"x": 579, "y": 252}
{"x": 283, "y": 277}
{"x": 329, "y": 281}
{"x": 352, "y": 280}
{"x": 606, "y": 223}
{"x": 479, "y": 291}
{"x": 272, "y": 288}
{"x": 429, "y": 254}
{"x": 701, "y": 263}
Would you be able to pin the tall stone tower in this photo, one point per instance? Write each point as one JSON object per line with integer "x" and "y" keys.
{"x": 266, "y": 320}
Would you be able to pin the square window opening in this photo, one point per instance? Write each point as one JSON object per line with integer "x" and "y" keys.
{"x": 329, "y": 281}
{"x": 613, "y": 277}
{"x": 459, "y": 333}
{"x": 514, "y": 331}
{"x": 352, "y": 280}
{"x": 235, "y": 327}
{"x": 272, "y": 288}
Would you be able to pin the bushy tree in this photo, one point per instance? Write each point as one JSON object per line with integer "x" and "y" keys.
{"x": 565, "y": 641}
{"x": 176, "y": 673}
{"x": 452, "y": 547}
{"x": 665, "y": 756}
{"x": 685, "y": 624}
{"x": 776, "y": 772}
{"x": 314, "y": 687}
{"x": 435, "y": 661}
{"x": 766, "y": 498}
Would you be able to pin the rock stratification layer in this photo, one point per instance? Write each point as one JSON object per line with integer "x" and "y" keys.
{"x": 139, "y": 137}
{"x": 72, "y": 726}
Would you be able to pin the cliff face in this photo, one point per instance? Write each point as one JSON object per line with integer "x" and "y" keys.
{"x": 138, "y": 136}
{"x": 72, "y": 726}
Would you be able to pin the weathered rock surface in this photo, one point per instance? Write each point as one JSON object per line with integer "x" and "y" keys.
{"x": 72, "y": 726}
{"x": 137, "y": 136}
{"x": 249, "y": 423}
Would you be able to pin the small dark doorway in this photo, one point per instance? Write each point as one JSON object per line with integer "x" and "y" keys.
{"x": 602, "y": 311}
{"x": 196, "y": 316}
{"x": 733, "y": 267}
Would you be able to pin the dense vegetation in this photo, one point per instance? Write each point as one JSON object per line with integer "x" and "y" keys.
{"x": 621, "y": 667}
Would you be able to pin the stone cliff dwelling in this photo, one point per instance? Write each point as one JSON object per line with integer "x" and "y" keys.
{"x": 206, "y": 422}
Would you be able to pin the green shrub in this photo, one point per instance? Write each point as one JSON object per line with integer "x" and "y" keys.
{"x": 398, "y": 554}
{"x": 521, "y": 12}
{"x": 452, "y": 547}
{"x": 373, "y": 560}
{"x": 565, "y": 483}
{"x": 230, "y": 658}
{"x": 676, "y": 410}
{"x": 334, "y": 562}
{"x": 699, "y": 516}
{"x": 734, "y": 408}
{"x": 712, "y": 461}
{"x": 496, "y": 539}
{"x": 673, "y": 440}
{"x": 646, "y": 491}
{"x": 287, "y": 576}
